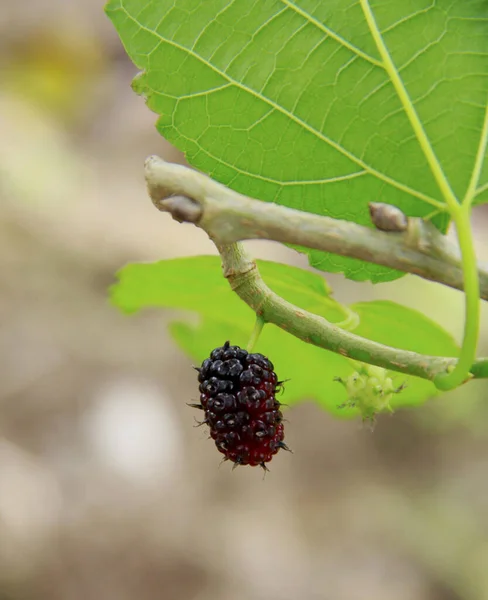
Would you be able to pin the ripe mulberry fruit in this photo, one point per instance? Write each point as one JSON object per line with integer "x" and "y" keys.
{"x": 238, "y": 397}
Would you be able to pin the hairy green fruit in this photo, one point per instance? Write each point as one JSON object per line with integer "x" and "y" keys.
{"x": 370, "y": 389}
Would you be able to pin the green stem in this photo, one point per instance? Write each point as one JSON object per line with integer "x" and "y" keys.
{"x": 461, "y": 217}
{"x": 244, "y": 278}
{"x": 256, "y": 332}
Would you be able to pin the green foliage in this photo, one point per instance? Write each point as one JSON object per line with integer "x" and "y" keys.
{"x": 288, "y": 102}
{"x": 196, "y": 284}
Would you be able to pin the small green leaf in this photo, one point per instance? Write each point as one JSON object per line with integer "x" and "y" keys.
{"x": 196, "y": 284}
{"x": 289, "y": 102}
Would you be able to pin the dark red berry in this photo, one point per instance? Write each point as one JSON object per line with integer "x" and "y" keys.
{"x": 237, "y": 395}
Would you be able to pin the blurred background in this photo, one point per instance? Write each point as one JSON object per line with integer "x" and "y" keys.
{"x": 107, "y": 491}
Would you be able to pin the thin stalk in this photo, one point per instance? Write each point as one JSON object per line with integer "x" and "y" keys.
{"x": 467, "y": 357}
{"x": 256, "y": 332}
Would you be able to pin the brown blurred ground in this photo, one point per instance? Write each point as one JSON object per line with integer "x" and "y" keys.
{"x": 106, "y": 489}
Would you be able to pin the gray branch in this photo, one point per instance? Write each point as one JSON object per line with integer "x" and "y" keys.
{"x": 228, "y": 217}
{"x": 414, "y": 246}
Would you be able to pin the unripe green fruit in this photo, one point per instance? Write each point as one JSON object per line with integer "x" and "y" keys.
{"x": 370, "y": 389}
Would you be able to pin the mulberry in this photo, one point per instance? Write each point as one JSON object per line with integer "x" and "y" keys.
{"x": 238, "y": 397}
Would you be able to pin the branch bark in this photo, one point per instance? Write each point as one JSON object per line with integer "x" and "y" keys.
{"x": 229, "y": 217}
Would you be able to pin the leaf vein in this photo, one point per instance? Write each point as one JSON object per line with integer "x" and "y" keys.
{"x": 281, "y": 183}
{"x": 252, "y": 39}
{"x": 478, "y": 163}
{"x": 407, "y": 18}
{"x": 382, "y": 176}
{"x": 409, "y": 108}
{"x": 329, "y": 32}
{"x": 482, "y": 189}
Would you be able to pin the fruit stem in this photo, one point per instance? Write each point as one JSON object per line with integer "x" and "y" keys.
{"x": 256, "y": 332}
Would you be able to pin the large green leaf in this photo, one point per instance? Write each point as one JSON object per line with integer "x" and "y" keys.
{"x": 196, "y": 284}
{"x": 288, "y": 101}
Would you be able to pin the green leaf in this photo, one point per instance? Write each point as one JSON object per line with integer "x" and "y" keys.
{"x": 288, "y": 101}
{"x": 186, "y": 283}
{"x": 196, "y": 284}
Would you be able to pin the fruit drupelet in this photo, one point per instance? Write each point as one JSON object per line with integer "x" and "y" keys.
{"x": 238, "y": 396}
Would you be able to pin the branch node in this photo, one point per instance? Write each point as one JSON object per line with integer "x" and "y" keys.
{"x": 181, "y": 208}
{"x": 426, "y": 238}
{"x": 387, "y": 217}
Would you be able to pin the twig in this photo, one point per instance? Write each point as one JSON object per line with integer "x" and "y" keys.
{"x": 245, "y": 280}
{"x": 229, "y": 217}
{"x": 224, "y": 214}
